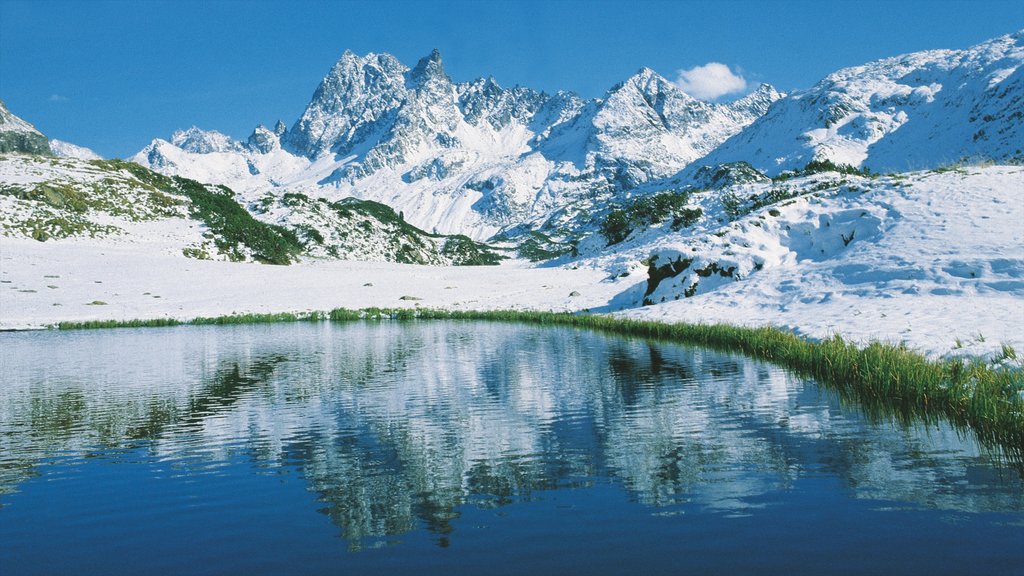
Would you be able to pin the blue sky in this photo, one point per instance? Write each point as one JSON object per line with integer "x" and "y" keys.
{"x": 114, "y": 75}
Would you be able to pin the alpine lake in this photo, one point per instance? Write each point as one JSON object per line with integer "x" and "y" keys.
{"x": 456, "y": 447}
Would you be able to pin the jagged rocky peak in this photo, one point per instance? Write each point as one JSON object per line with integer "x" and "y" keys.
{"x": 426, "y": 121}
{"x": 262, "y": 140}
{"x": 650, "y": 82}
{"x": 203, "y": 141}
{"x": 429, "y": 71}
{"x": 355, "y": 94}
{"x": 485, "y": 99}
{"x": 17, "y": 135}
{"x": 475, "y": 98}
{"x": 280, "y": 128}
{"x": 644, "y": 102}
{"x": 646, "y": 127}
{"x": 758, "y": 101}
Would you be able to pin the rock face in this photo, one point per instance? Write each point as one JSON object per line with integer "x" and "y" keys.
{"x": 16, "y": 135}
{"x": 354, "y": 95}
{"x": 921, "y": 110}
{"x": 474, "y": 157}
{"x": 262, "y": 140}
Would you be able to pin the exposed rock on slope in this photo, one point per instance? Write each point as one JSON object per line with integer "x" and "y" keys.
{"x": 16, "y": 135}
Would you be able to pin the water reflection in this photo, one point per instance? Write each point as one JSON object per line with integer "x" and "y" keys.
{"x": 396, "y": 427}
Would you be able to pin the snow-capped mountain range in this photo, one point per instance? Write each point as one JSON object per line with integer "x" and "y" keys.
{"x": 478, "y": 159}
{"x": 472, "y": 158}
{"x": 646, "y": 202}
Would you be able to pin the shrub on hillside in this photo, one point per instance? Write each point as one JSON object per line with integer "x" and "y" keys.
{"x": 649, "y": 211}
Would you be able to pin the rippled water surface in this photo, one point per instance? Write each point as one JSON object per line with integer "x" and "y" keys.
{"x": 448, "y": 447}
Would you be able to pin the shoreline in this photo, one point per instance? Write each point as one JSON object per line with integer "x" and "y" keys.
{"x": 884, "y": 379}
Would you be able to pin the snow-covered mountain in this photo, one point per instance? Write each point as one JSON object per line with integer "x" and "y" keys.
{"x": 916, "y": 111}
{"x": 474, "y": 157}
{"x": 17, "y": 135}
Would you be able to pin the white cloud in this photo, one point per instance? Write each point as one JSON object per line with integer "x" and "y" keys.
{"x": 710, "y": 81}
{"x": 57, "y": 98}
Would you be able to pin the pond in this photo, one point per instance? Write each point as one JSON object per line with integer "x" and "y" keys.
{"x": 467, "y": 447}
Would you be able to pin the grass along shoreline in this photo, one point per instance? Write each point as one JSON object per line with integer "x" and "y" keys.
{"x": 885, "y": 379}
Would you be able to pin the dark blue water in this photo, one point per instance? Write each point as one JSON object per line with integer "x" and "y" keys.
{"x": 448, "y": 447}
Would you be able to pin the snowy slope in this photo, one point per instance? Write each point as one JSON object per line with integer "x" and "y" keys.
{"x": 69, "y": 150}
{"x": 471, "y": 158}
{"x": 931, "y": 258}
{"x": 56, "y": 199}
{"x": 920, "y": 110}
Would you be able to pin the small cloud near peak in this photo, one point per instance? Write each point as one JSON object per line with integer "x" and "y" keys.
{"x": 710, "y": 81}
{"x": 57, "y": 98}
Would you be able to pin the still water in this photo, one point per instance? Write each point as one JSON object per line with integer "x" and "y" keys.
{"x": 456, "y": 447}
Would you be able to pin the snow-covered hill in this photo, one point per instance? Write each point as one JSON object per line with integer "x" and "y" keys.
{"x": 472, "y": 158}
{"x": 911, "y": 112}
{"x": 116, "y": 202}
{"x": 69, "y": 150}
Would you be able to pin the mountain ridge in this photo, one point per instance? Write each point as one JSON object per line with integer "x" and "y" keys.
{"x": 470, "y": 157}
{"x": 914, "y": 111}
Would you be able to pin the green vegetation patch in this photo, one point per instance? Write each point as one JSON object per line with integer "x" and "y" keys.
{"x": 465, "y": 252}
{"x": 49, "y": 224}
{"x": 412, "y": 245}
{"x": 381, "y": 212}
{"x": 735, "y": 206}
{"x": 55, "y": 194}
{"x": 351, "y": 222}
{"x": 64, "y": 206}
{"x": 648, "y": 211}
{"x": 539, "y": 246}
{"x": 232, "y": 225}
{"x": 728, "y": 174}
{"x": 819, "y": 166}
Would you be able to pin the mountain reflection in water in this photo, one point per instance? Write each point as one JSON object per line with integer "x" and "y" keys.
{"x": 398, "y": 427}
